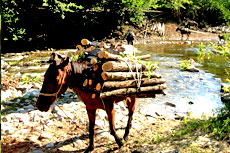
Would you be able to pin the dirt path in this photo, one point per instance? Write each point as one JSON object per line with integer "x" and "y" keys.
{"x": 36, "y": 132}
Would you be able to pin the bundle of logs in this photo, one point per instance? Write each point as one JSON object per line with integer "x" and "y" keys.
{"x": 112, "y": 73}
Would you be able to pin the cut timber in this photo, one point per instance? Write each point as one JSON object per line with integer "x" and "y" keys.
{"x": 98, "y": 87}
{"x": 133, "y": 91}
{"x": 101, "y": 54}
{"x": 107, "y": 55}
{"x": 93, "y": 96}
{"x": 143, "y": 57}
{"x": 93, "y": 61}
{"x": 90, "y": 82}
{"x": 95, "y": 67}
{"x": 122, "y": 66}
{"x": 85, "y": 83}
{"x": 113, "y": 76}
{"x": 132, "y": 83}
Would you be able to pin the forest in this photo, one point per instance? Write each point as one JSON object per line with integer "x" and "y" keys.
{"x": 43, "y": 24}
{"x": 182, "y": 84}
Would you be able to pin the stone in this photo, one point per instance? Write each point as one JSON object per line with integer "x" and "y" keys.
{"x": 29, "y": 107}
{"x": 21, "y": 110}
{"x": 5, "y": 94}
{"x": 79, "y": 141}
{"x": 49, "y": 145}
{"x": 122, "y": 106}
{"x": 44, "y": 136}
{"x": 22, "y": 89}
{"x": 31, "y": 93}
{"x": 104, "y": 134}
{"x": 17, "y": 93}
{"x": 36, "y": 118}
{"x": 36, "y": 86}
{"x": 27, "y": 101}
{"x": 100, "y": 123}
{"x": 170, "y": 104}
{"x": 37, "y": 151}
{"x": 8, "y": 102}
{"x": 25, "y": 119}
{"x": 4, "y": 119}
{"x": 101, "y": 114}
{"x": 49, "y": 122}
{"x": 81, "y": 120}
{"x": 192, "y": 68}
{"x": 7, "y": 129}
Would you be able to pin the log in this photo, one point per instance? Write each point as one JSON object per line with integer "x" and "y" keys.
{"x": 107, "y": 55}
{"x": 93, "y": 61}
{"x": 122, "y": 66}
{"x": 90, "y": 82}
{"x": 143, "y": 57}
{"x": 85, "y": 83}
{"x": 93, "y": 96}
{"x": 101, "y": 54}
{"x": 131, "y": 83}
{"x": 113, "y": 76}
{"x": 98, "y": 87}
{"x": 133, "y": 91}
{"x": 95, "y": 67}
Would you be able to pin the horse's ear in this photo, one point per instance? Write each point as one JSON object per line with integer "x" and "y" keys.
{"x": 65, "y": 62}
{"x": 55, "y": 57}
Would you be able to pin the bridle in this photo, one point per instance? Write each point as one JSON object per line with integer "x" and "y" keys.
{"x": 56, "y": 93}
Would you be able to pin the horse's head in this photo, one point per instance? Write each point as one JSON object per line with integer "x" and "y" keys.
{"x": 56, "y": 81}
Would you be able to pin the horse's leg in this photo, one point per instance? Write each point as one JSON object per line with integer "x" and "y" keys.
{"x": 91, "y": 115}
{"x": 131, "y": 106}
{"x": 111, "y": 117}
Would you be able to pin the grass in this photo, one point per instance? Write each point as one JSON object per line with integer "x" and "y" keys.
{"x": 216, "y": 127}
{"x": 185, "y": 64}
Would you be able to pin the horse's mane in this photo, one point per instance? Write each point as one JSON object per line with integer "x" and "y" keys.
{"x": 78, "y": 67}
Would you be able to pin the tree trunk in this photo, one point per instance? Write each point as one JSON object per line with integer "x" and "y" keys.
{"x": 122, "y": 66}
{"x": 132, "y": 83}
{"x": 134, "y": 91}
{"x": 113, "y": 76}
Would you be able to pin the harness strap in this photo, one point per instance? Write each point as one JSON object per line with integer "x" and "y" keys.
{"x": 56, "y": 93}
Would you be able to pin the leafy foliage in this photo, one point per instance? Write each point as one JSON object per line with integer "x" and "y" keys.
{"x": 48, "y": 22}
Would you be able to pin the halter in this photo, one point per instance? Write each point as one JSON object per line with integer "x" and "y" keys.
{"x": 56, "y": 93}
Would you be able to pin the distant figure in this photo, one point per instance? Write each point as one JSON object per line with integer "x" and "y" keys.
{"x": 183, "y": 31}
{"x": 129, "y": 36}
{"x": 221, "y": 37}
{"x": 190, "y": 23}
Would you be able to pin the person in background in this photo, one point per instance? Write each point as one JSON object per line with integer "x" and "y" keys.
{"x": 130, "y": 36}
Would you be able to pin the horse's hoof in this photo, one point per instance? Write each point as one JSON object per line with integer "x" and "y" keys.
{"x": 121, "y": 143}
{"x": 125, "y": 138}
{"x": 89, "y": 149}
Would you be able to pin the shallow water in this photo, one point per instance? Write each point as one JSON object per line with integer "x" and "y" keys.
{"x": 189, "y": 91}
{"x": 197, "y": 92}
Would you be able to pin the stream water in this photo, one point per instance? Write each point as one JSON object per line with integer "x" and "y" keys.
{"x": 197, "y": 92}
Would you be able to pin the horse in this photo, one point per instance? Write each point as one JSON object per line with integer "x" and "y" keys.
{"x": 63, "y": 73}
{"x": 183, "y": 31}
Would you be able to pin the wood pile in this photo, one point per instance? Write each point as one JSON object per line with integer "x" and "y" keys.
{"x": 114, "y": 71}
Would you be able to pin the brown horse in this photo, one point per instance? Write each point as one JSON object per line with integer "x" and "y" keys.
{"x": 62, "y": 74}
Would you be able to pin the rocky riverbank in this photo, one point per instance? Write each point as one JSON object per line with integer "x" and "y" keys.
{"x": 25, "y": 129}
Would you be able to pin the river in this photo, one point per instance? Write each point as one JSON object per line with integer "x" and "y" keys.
{"x": 196, "y": 92}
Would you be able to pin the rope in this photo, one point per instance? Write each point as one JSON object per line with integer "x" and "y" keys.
{"x": 139, "y": 75}
{"x": 56, "y": 95}
{"x": 62, "y": 111}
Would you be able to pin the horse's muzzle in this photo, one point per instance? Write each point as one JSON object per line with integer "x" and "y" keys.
{"x": 42, "y": 106}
